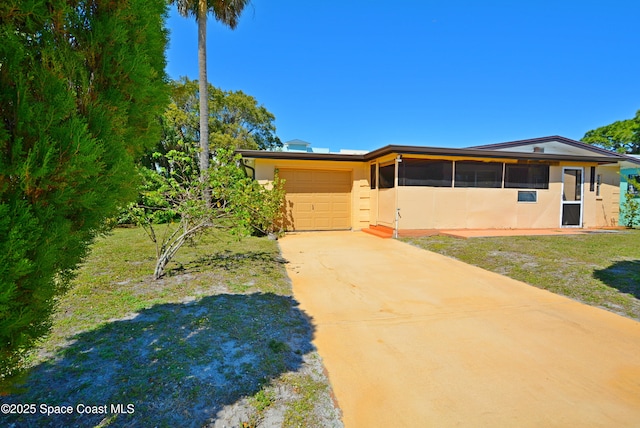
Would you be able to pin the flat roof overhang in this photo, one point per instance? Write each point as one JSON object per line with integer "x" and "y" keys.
{"x": 421, "y": 150}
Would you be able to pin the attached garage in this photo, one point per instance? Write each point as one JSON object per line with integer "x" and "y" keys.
{"x": 317, "y": 199}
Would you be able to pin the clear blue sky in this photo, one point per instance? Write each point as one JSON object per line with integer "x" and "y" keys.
{"x": 362, "y": 74}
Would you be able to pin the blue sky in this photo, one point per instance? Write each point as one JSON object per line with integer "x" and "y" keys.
{"x": 364, "y": 74}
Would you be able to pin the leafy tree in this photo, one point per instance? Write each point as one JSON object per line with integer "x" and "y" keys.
{"x": 631, "y": 206}
{"x": 236, "y": 121}
{"x": 622, "y": 136}
{"x": 228, "y": 12}
{"x": 239, "y": 202}
{"x": 81, "y": 86}
{"x": 172, "y": 185}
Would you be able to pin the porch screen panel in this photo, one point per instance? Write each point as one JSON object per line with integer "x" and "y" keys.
{"x": 386, "y": 176}
{"x": 425, "y": 172}
{"x": 526, "y": 176}
{"x": 372, "y": 175}
{"x": 478, "y": 174}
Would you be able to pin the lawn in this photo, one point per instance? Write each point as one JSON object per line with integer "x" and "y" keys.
{"x": 600, "y": 269}
{"x": 218, "y": 341}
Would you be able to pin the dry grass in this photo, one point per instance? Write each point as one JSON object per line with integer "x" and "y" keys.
{"x": 600, "y": 269}
{"x": 217, "y": 341}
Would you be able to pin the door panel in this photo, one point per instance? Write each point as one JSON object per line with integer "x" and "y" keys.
{"x": 572, "y": 183}
{"x": 317, "y": 200}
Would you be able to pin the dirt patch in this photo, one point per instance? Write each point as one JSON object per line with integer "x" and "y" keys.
{"x": 202, "y": 362}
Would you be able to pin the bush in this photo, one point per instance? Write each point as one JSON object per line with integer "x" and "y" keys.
{"x": 631, "y": 209}
{"x": 81, "y": 87}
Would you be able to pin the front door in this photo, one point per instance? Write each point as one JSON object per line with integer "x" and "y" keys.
{"x": 571, "y": 215}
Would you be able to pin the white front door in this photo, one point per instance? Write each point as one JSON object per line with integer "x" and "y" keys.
{"x": 572, "y": 195}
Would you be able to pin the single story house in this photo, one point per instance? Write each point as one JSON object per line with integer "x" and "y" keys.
{"x": 544, "y": 182}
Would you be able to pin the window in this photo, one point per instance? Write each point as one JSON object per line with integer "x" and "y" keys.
{"x": 519, "y": 176}
{"x": 425, "y": 172}
{"x": 372, "y": 176}
{"x": 527, "y": 196}
{"x": 386, "y": 176}
{"x": 478, "y": 174}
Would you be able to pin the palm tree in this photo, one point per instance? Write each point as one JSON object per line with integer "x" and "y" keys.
{"x": 228, "y": 12}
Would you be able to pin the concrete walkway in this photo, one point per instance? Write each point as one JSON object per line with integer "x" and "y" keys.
{"x": 414, "y": 339}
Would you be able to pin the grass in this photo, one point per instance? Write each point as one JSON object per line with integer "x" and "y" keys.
{"x": 217, "y": 339}
{"x": 600, "y": 269}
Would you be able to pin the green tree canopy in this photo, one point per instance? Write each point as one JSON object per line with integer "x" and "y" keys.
{"x": 81, "y": 86}
{"x": 236, "y": 121}
{"x": 622, "y": 136}
{"x": 227, "y": 12}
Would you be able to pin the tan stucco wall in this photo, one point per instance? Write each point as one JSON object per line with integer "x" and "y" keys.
{"x": 466, "y": 208}
{"x": 459, "y": 208}
{"x": 478, "y": 208}
{"x": 360, "y": 193}
{"x": 608, "y": 202}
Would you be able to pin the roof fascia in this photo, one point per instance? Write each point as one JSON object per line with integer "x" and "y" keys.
{"x": 439, "y": 151}
{"x": 265, "y": 154}
{"x": 482, "y": 153}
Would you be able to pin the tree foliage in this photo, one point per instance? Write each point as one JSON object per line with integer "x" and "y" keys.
{"x": 238, "y": 202}
{"x": 236, "y": 120}
{"x": 227, "y": 12}
{"x": 622, "y": 136}
{"x": 630, "y": 209}
{"x": 173, "y": 190}
{"x": 81, "y": 86}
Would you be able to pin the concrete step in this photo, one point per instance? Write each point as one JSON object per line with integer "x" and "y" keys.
{"x": 379, "y": 231}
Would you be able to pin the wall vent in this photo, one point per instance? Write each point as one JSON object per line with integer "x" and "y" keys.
{"x": 538, "y": 150}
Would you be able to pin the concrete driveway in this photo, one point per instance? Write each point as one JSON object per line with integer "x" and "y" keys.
{"x": 414, "y": 339}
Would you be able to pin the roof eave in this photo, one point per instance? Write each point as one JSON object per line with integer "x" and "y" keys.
{"x": 265, "y": 154}
{"x": 434, "y": 151}
{"x": 482, "y": 153}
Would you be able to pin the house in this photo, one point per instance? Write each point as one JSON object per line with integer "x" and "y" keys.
{"x": 544, "y": 182}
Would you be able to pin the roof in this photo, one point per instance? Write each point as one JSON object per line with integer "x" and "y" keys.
{"x": 542, "y": 140}
{"x": 497, "y": 151}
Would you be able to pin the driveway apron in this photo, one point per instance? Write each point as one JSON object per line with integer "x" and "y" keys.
{"x": 411, "y": 338}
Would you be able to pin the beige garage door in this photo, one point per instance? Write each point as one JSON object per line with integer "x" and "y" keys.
{"x": 317, "y": 200}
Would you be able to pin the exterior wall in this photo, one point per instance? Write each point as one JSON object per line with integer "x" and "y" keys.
{"x": 386, "y": 207}
{"x": 459, "y": 208}
{"x": 360, "y": 193}
{"x": 480, "y": 208}
{"x": 476, "y": 208}
{"x": 607, "y": 209}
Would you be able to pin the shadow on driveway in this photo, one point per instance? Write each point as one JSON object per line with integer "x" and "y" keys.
{"x": 177, "y": 364}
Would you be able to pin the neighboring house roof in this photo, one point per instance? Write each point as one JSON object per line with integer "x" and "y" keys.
{"x": 550, "y": 144}
{"x": 302, "y": 146}
{"x": 512, "y": 150}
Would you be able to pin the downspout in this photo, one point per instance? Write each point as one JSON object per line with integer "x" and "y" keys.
{"x": 253, "y": 170}
{"x": 397, "y": 211}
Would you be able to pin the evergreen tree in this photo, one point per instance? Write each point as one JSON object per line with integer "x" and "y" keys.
{"x": 81, "y": 86}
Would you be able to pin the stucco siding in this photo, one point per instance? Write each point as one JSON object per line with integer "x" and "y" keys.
{"x": 474, "y": 208}
{"x": 425, "y": 207}
{"x": 607, "y": 196}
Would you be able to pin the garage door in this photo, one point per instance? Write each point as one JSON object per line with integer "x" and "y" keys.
{"x": 317, "y": 200}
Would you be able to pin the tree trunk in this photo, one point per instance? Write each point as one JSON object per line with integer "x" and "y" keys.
{"x": 204, "y": 99}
